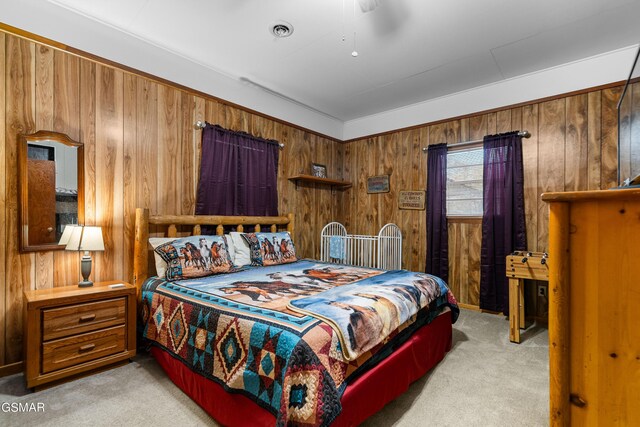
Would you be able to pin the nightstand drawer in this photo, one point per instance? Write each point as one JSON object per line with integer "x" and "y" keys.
{"x": 78, "y": 349}
{"x": 79, "y": 318}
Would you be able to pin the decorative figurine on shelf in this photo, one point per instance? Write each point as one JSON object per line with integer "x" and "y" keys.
{"x": 318, "y": 170}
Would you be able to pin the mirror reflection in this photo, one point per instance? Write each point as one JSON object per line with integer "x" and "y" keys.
{"x": 51, "y": 188}
{"x": 629, "y": 129}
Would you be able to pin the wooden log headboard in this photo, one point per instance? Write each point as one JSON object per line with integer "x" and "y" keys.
{"x": 144, "y": 220}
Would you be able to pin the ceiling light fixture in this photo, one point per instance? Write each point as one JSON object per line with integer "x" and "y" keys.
{"x": 354, "y": 53}
{"x": 281, "y": 29}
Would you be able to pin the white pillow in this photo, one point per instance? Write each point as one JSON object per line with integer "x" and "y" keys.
{"x": 242, "y": 251}
{"x": 161, "y": 265}
{"x": 231, "y": 248}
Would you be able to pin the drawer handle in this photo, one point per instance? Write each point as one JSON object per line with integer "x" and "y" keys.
{"x": 577, "y": 400}
{"x": 87, "y": 317}
{"x": 87, "y": 347}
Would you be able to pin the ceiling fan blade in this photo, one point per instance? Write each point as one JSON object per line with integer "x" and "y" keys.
{"x": 369, "y": 5}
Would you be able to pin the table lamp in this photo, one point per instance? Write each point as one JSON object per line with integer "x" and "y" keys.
{"x": 66, "y": 233}
{"x": 83, "y": 238}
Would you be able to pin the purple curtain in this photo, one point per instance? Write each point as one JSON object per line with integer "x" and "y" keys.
{"x": 503, "y": 220}
{"x": 437, "y": 236}
{"x": 238, "y": 174}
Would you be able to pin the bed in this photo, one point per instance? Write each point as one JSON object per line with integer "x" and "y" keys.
{"x": 271, "y": 345}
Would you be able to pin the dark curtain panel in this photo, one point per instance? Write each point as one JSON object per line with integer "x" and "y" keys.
{"x": 238, "y": 174}
{"x": 503, "y": 221}
{"x": 437, "y": 236}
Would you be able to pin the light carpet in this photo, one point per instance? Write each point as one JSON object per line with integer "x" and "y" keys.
{"x": 483, "y": 381}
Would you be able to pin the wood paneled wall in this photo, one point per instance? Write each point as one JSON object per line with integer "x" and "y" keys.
{"x": 141, "y": 150}
{"x": 573, "y": 146}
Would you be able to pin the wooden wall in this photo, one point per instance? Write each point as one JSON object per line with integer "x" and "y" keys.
{"x": 141, "y": 150}
{"x": 573, "y": 147}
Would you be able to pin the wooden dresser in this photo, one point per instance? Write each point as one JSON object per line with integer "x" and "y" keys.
{"x": 71, "y": 331}
{"x": 594, "y": 308}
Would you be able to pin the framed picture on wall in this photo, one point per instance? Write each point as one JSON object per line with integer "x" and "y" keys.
{"x": 378, "y": 184}
{"x": 318, "y": 170}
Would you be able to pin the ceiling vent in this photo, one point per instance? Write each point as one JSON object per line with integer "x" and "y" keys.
{"x": 281, "y": 29}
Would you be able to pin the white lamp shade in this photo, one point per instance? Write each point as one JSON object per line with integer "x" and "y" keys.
{"x": 86, "y": 239}
{"x": 92, "y": 239}
{"x": 66, "y": 234}
{"x": 73, "y": 242}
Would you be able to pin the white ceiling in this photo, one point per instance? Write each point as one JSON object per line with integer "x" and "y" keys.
{"x": 418, "y": 61}
{"x": 409, "y": 50}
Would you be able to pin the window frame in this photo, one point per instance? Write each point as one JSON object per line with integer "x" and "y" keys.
{"x": 454, "y": 149}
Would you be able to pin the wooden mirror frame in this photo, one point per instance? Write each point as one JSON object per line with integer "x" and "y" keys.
{"x": 23, "y": 205}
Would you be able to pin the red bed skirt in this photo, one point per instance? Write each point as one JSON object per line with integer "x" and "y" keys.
{"x": 363, "y": 398}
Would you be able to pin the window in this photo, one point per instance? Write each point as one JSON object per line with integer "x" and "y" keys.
{"x": 464, "y": 182}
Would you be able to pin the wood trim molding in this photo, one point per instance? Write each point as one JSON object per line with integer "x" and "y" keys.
{"x": 31, "y": 37}
{"x": 495, "y": 110}
{"x": 464, "y": 219}
{"x": 469, "y": 307}
{"x": 11, "y": 369}
{"x": 497, "y": 313}
{"x": 478, "y": 309}
{"x": 621, "y": 193}
{"x": 112, "y": 64}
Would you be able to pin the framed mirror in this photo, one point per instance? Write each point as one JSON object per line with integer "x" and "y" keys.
{"x": 51, "y": 179}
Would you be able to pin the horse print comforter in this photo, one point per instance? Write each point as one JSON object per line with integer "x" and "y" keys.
{"x": 237, "y": 329}
{"x": 365, "y": 312}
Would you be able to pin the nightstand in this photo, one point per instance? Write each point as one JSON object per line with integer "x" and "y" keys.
{"x": 70, "y": 331}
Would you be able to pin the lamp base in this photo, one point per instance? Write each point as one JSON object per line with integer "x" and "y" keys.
{"x": 85, "y": 269}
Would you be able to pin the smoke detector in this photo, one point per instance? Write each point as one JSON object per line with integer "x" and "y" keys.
{"x": 281, "y": 29}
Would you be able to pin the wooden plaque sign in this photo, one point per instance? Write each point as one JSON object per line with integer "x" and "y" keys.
{"x": 378, "y": 184}
{"x": 411, "y": 200}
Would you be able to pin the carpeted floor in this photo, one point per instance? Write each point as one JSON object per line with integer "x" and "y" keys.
{"x": 484, "y": 381}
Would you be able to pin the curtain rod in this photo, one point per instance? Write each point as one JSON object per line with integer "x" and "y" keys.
{"x": 201, "y": 125}
{"x": 522, "y": 133}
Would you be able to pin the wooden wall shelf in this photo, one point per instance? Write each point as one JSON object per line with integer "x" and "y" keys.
{"x": 334, "y": 183}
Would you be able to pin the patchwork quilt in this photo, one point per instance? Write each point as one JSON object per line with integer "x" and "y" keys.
{"x": 236, "y": 329}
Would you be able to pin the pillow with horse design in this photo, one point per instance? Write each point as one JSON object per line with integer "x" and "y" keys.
{"x": 195, "y": 256}
{"x": 275, "y": 248}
